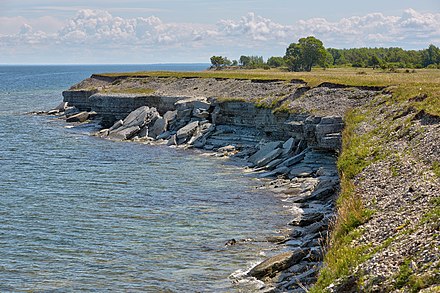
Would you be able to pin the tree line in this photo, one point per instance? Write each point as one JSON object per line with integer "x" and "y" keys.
{"x": 310, "y": 51}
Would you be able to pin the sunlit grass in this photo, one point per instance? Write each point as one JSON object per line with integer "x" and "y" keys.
{"x": 115, "y": 90}
{"x": 403, "y": 84}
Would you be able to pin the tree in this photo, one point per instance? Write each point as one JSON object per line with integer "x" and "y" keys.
{"x": 244, "y": 60}
{"x": 293, "y": 57}
{"x": 431, "y": 55}
{"x": 302, "y": 56}
{"x": 219, "y": 61}
{"x": 276, "y": 61}
{"x": 375, "y": 62}
{"x": 328, "y": 60}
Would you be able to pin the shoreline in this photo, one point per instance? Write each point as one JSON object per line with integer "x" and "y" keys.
{"x": 247, "y": 113}
{"x": 303, "y": 262}
{"x": 300, "y": 165}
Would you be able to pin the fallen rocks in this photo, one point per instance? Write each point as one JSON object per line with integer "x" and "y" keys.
{"x": 61, "y": 107}
{"x": 124, "y": 133}
{"x": 138, "y": 123}
{"x": 81, "y": 117}
{"x": 159, "y": 126}
{"x": 264, "y": 151}
{"x": 267, "y": 158}
{"x": 277, "y": 263}
{"x": 296, "y": 149}
{"x": 140, "y": 117}
{"x": 307, "y": 219}
{"x": 184, "y": 133}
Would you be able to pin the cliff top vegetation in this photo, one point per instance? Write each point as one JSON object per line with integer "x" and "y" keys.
{"x": 405, "y": 84}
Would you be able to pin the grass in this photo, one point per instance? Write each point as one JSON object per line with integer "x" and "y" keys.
{"x": 134, "y": 91}
{"x": 403, "y": 86}
{"x": 362, "y": 148}
{"x": 433, "y": 216}
{"x": 231, "y": 99}
{"x": 436, "y": 168}
{"x": 341, "y": 256}
{"x": 413, "y": 283}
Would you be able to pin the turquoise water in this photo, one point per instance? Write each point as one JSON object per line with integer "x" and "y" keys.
{"x": 81, "y": 213}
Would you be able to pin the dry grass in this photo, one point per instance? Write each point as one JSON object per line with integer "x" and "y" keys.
{"x": 404, "y": 85}
{"x": 134, "y": 91}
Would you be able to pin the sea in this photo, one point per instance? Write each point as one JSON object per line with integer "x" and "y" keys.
{"x": 80, "y": 213}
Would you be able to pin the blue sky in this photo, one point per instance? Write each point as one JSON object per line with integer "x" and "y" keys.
{"x": 154, "y": 31}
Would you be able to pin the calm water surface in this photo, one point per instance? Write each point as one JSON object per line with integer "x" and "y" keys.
{"x": 82, "y": 213}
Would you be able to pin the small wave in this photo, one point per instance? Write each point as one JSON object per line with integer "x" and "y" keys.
{"x": 242, "y": 279}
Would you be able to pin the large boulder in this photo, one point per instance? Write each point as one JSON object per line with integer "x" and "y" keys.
{"x": 80, "y": 117}
{"x": 61, "y": 107}
{"x": 70, "y": 111}
{"x": 141, "y": 116}
{"x": 293, "y": 160}
{"x": 117, "y": 124}
{"x": 277, "y": 263}
{"x": 159, "y": 126}
{"x": 184, "y": 133}
{"x": 170, "y": 116}
{"x": 264, "y": 151}
{"x": 288, "y": 146}
{"x": 124, "y": 133}
{"x": 269, "y": 157}
{"x": 198, "y": 140}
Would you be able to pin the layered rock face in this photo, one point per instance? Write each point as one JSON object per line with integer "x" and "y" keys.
{"x": 79, "y": 98}
{"x": 114, "y": 107}
{"x": 230, "y": 103}
{"x": 320, "y": 132}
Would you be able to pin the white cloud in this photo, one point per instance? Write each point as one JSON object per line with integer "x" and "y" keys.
{"x": 412, "y": 29}
{"x": 254, "y": 27}
{"x": 251, "y": 34}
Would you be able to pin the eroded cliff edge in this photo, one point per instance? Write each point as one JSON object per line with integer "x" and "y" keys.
{"x": 243, "y": 115}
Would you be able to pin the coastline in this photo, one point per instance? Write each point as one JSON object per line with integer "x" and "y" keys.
{"x": 296, "y": 152}
{"x": 249, "y": 125}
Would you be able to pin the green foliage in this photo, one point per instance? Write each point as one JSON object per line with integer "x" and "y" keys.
{"x": 244, "y": 60}
{"x": 375, "y": 62}
{"x": 357, "y": 148}
{"x": 339, "y": 263}
{"x": 252, "y": 61}
{"x": 431, "y": 56}
{"x": 305, "y": 54}
{"x": 220, "y": 61}
{"x": 406, "y": 278}
{"x": 276, "y": 61}
{"x": 436, "y": 168}
{"x": 386, "y": 57}
{"x": 402, "y": 277}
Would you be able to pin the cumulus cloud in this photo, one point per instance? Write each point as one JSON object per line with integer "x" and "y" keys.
{"x": 101, "y": 28}
{"x": 412, "y": 29}
{"x": 97, "y": 29}
{"x": 255, "y": 27}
